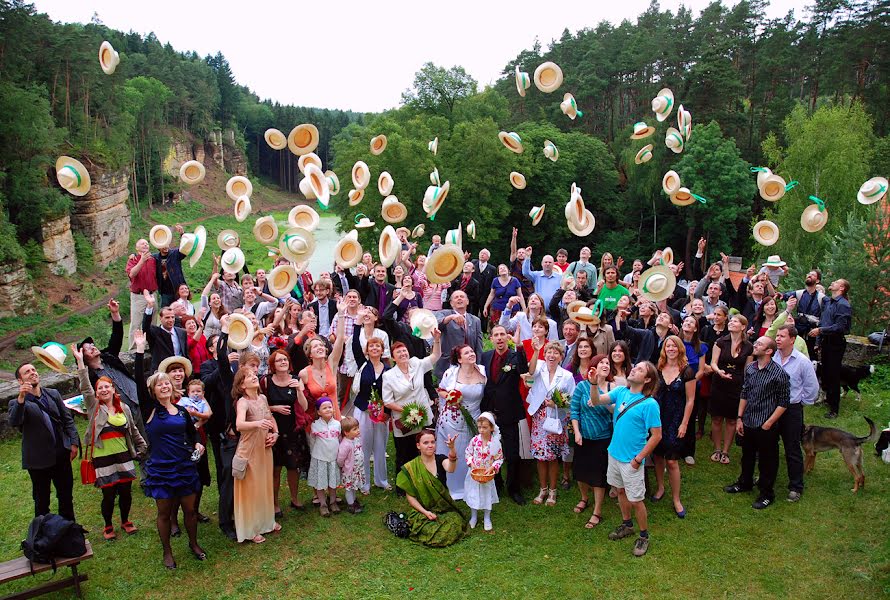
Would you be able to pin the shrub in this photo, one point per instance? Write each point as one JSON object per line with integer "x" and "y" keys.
{"x": 85, "y": 258}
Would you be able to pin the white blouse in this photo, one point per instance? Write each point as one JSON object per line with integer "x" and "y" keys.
{"x": 520, "y": 322}
{"x": 324, "y": 439}
{"x": 401, "y": 390}
{"x": 543, "y": 387}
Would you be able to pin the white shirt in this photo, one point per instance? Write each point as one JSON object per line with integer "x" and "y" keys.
{"x": 324, "y": 439}
{"x": 401, "y": 390}
{"x": 324, "y": 321}
{"x": 520, "y": 321}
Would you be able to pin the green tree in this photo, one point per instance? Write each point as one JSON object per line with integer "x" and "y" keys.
{"x": 437, "y": 89}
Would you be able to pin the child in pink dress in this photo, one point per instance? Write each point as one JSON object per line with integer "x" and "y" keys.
{"x": 351, "y": 460}
{"x": 483, "y": 452}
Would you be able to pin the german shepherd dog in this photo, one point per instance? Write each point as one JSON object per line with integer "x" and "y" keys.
{"x": 820, "y": 439}
{"x": 850, "y": 378}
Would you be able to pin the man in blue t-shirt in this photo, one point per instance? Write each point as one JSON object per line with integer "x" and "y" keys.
{"x": 636, "y": 424}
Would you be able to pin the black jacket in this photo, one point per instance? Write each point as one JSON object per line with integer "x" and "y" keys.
{"x": 332, "y": 310}
{"x": 369, "y": 291}
{"x": 160, "y": 344}
{"x": 502, "y": 398}
{"x": 484, "y": 279}
{"x": 37, "y": 428}
{"x": 351, "y": 281}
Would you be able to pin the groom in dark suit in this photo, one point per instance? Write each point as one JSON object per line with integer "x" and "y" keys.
{"x": 164, "y": 341}
{"x": 504, "y": 368}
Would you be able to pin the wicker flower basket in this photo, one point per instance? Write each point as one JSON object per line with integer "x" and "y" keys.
{"x": 481, "y": 475}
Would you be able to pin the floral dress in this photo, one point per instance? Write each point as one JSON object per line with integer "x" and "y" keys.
{"x": 548, "y": 446}
{"x": 352, "y": 471}
{"x": 482, "y": 455}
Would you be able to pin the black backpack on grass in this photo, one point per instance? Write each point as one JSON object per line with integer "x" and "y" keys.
{"x": 50, "y": 537}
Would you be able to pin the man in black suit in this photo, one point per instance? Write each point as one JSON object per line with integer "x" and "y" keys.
{"x": 484, "y": 273}
{"x": 164, "y": 341}
{"x": 343, "y": 280}
{"x": 501, "y": 397}
{"x": 376, "y": 292}
{"x": 323, "y": 307}
{"x": 49, "y": 441}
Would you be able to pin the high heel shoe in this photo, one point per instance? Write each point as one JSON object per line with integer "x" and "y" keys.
{"x": 199, "y": 554}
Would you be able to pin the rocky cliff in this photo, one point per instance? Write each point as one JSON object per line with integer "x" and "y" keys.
{"x": 103, "y": 215}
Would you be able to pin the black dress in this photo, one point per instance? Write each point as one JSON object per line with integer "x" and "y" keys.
{"x": 291, "y": 450}
{"x": 725, "y": 393}
{"x": 671, "y": 399}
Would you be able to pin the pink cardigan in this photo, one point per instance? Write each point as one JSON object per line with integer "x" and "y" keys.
{"x": 345, "y": 455}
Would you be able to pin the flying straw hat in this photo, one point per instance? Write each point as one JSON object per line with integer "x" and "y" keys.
{"x": 446, "y": 263}
{"x": 585, "y": 227}
{"x": 762, "y": 174}
{"x": 240, "y": 332}
{"x": 657, "y": 283}
{"x": 422, "y": 323}
{"x": 242, "y": 208}
{"x": 109, "y": 59}
{"x": 512, "y": 141}
{"x": 281, "y": 280}
{"x": 171, "y": 361}
{"x": 238, "y": 186}
{"x": 384, "y": 184}
{"x": 319, "y": 184}
{"x": 670, "y": 183}
{"x": 418, "y": 231}
{"x": 522, "y": 81}
{"x": 275, "y": 138}
{"x": 548, "y": 77}
{"x": 363, "y": 222}
{"x": 682, "y": 197}
{"x": 663, "y": 104}
{"x": 193, "y": 244}
{"x": 766, "y": 233}
{"x": 265, "y": 230}
{"x": 303, "y": 139}
{"x": 53, "y": 355}
{"x": 355, "y": 197}
{"x": 434, "y": 177}
{"x": 297, "y": 244}
{"x": 389, "y": 247}
{"x": 361, "y": 175}
{"x": 434, "y": 198}
{"x": 378, "y": 144}
{"x": 667, "y": 256}
{"x": 536, "y": 214}
{"x": 192, "y": 172}
{"x": 232, "y": 260}
{"x": 227, "y": 238}
{"x": 641, "y": 130}
{"x": 471, "y": 229}
{"x": 160, "y": 236}
{"x": 454, "y": 236}
{"x": 569, "y": 107}
{"x": 871, "y": 191}
{"x": 433, "y": 146}
{"x": 813, "y": 219}
{"x": 517, "y": 180}
{"x": 308, "y": 159}
{"x": 333, "y": 182}
{"x": 306, "y": 189}
{"x": 72, "y": 175}
{"x": 551, "y": 151}
{"x": 575, "y": 207}
{"x": 772, "y": 188}
{"x": 303, "y": 216}
{"x": 644, "y": 155}
{"x": 673, "y": 139}
{"x": 348, "y": 252}
{"x": 392, "y": 210}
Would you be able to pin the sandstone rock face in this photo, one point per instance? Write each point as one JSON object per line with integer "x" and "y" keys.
{"x": 181, "y": 151}
{"x": 16, "y": 292}
{"x": 222, "y": 150}
{"x": 58, "y": 246}
{"x": 103, "y": 215}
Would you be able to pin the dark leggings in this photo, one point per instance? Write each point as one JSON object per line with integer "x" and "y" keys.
{"x": 166, "y": 508}
{"x": 124, "y": 491}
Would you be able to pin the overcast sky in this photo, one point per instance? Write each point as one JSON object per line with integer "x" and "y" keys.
{"x": 359, "y": 55}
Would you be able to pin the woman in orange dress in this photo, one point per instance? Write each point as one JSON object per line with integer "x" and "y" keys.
{"x": 320, "y": 377}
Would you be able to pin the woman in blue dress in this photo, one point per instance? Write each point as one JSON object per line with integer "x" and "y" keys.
{"x": 504, "y": 287}
{"x": 171, "y": 474}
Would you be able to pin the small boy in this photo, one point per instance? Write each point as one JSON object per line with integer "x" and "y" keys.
{"x": 195, "y": 403}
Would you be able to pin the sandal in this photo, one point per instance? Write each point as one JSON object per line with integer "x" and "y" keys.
{"x": 581, "y": 506}
{"x": 109, "y": 533}
{"x": 551, "y": 498}
{"x": 323, "y": 510}
{"x": 258, "y": 539}
{"x": 724, "y": 458}
{"x": 128, "y": 527}
{"x": 590, "y": 524}
{"x": 277, "y": 527}
{"x": 539, "y": 499}
{"x": 335, "y": 508}
{"x": 715, "y": 455}
{"x": 298, "y": 506}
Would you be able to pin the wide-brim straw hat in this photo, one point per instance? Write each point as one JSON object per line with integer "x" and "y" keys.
{"x": 536, "y": 214}
{"x": 160, "y": 236}
{"x": 657, "y": 283}
{"x": 333, "y": 182}
{"x": 109, "y": 59}
{"x": 454, "y": 236}
{"x": 774, "y": 260}
{"x": 670, "y": 183}
{"x": 281, "y": 280}
{"x": 241, "y": 332}
{"x": 511, "y": 141}
{"x": 306, "y": 189}
{"x": 319, "y": 184}
{"x": 72, "y": 176}
{"x": 238, "y": 186}
{"x": 872, "y": 190}
{"x": 361, "y": 175}
{"x": 433, "y": 146}
{"x": 574, "y": 210}
{"x": 551, "y": 151}
{"x": 812, "y": 219}
{"x": 548, "y": 77}
{"x": 363, "y": 222}
{"x": 772, "y": 188}
{"x": 399, "y": 231}
{"x": 471, "y": 229}
{"x": 355, "y": 197}
{"x": 422, "y": 323}
{"x": 385, "y": 183}
{"x": 303, "y": 216}
{"x": 232, "y": 260}
{"x": 766, "y": 233}
{"x": 641, "y": 130}
{"x": 569, "y": 107}
{"x": 667, "y": 256}
{"x": 242, "y": 208}
{"x": 171, "y": 361}
{"x": 297, "y": 244}
{"x": 673, "y": 139}
{"x": 663, "y": 104}
{"x": 435, "y": 179}
{"x": 265, "y": 230}
{"x": 52, "y": 354}
{"x": 517, "y": 180}
{"x": 389, "y": 247}
{"x": 644, "y": 155}
{"x": 348, "y": 251}
{"x": 434, "y": 198}
{"x": 192, "y": 172}
{"x": 275, "y": 138}
{"x": 585, "y": 227}
{"x": 418, "y": 231}
{"x": 228, "y": 238}
{"x": 446, "y": 263}
{"x": 378, "y": 144}
{"x": 393, "y": 211}
{"x": 523, "y": 82}
{"x": 303, "y": 139}
{"x": 682, "y": 197}
{"x": 193, "y": 244}
{"x": 310, "y": 158}
{"x": 762, "y": 175}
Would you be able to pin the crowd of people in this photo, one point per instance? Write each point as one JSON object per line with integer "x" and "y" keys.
{"x": 594, "y": 374}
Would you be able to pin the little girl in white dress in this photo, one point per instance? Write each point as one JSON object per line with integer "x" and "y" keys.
{"x": 485, "y": 456}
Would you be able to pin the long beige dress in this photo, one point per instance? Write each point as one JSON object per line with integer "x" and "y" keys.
{"x": 254, "y": 500}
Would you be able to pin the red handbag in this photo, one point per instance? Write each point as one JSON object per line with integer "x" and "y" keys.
{"x": 87, "y": 470}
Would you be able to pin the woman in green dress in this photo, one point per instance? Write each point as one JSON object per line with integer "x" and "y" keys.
{"x": 434, "y": 518}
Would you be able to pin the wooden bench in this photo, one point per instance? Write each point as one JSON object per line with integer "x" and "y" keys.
{"x": 21, "y": 567}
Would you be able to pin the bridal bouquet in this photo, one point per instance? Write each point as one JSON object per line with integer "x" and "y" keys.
{"x": 375, "y": 407}
{"x": 454, "y": 406}
{"x": 559, "y": 399}
{"x": 413, "y": 416}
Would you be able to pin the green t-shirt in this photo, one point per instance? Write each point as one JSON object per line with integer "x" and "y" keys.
{"x": 610, "y": 297}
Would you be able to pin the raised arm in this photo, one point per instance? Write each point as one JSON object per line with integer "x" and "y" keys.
{"x": 83, "y": 376}
{"x": 337, "y": 351}
{"x": 146, "y": 404}
{"x": 513, "y": 251}
{"x": 117, "y": 328}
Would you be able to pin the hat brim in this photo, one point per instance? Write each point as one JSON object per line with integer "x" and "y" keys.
{"x": 384, "y": 184}
{"x": 232, "y": 267}
{"x": 446, "y": 263}
{"x": 586, "y": 226}
{"x": 538, "y": 215}
{"x": 175, "y": 360}
{"x": 517, "y": 180}
{"x": 356, "y": 197}
{"x": 669, "y": 178}
{"x": 418, "y": 231}
{"x": 238, "y": 186}
{"x": 275, "y": 139}
{"x": 772, "y": 189}
{"x": 242, "y": 208}
{"x": 509, "y": 143}
{"x": 643, "y": 133}
{"x": 662, "y": 294}
{"x": 644, "y": 155}
{"x": 200, "y": 243}
{"x": 548, "y": 77}
{"x": 361, "y": 175}
{"x": 159, "y": 242}
{"x": 227, "y": 234}
{"x": 304, "y": 217}
{"x": 109, "y": 58}
{"x": 267, "y": 225}
{"x": 433, "y": 208}
{"x": 241, "y": 332}
{"x": 84, "y": 186}
{"x": 811, "y": 225}
{"x": 394, "y": 212}
{"x": 378, "y": 144}
{"x": 682, "y": 197}
{"x": 766, "y": 233}
{"x": 877, "y": 196}
{"x": 520, "y": 82}
{"x": 303, "y": 139}
{"x": 289, "y": 254}
{"x": 192, "y": 172}
{"x": 283, "y": 288}
{"x": 389, "y": 246}
{"x": 48, "y": 359}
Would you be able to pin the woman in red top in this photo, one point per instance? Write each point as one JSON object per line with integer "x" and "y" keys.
{"x": 198, "y": 352}
{"x": 562, "y": 260}
{"x": 319, "y": 377}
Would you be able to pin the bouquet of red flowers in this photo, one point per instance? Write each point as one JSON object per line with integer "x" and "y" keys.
{"x": 375, "y": 407}
{"x": 454, "y": 405}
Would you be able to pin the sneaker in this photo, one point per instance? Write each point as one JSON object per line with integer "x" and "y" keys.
{"x": 641, "y": 546}
{"x": 622, "y": 531}
{"x": 793, "y": 496}
{"x": 689, "y": 460}
{"x": 762, "y": 503}
{"x": 736, "y": 488}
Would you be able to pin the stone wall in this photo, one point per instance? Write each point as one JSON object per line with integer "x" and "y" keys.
{"x": 58, "y": 246}
{"x": 16, "y": 292}
{"x": 103, "y": 215}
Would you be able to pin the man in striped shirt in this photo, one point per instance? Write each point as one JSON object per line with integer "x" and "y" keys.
{"x": 765, "y": 396}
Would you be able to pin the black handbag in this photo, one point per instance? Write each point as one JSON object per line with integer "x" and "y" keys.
{"x": 397, "y": 524}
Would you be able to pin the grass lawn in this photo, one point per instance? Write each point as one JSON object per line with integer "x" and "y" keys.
{"x": 832, "y": 544}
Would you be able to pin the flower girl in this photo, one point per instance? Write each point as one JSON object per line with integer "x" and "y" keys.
{"x": 484, "y": 458}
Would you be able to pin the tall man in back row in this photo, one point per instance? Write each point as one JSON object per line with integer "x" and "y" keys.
{"x": 834, "y": 325}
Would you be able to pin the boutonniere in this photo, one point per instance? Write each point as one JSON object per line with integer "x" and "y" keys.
{"x": 507, "y": 368}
